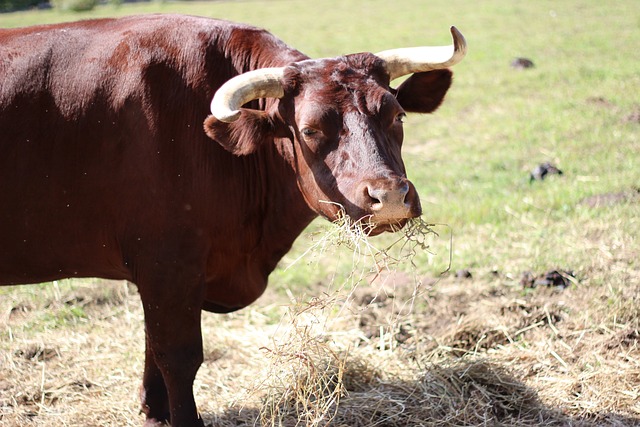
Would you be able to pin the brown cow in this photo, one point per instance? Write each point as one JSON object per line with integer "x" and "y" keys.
{"x": 105, "y": 170}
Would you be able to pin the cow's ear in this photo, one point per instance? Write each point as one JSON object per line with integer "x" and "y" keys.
{"x": 424, "y": 92}
{"x": 243, "y": 136}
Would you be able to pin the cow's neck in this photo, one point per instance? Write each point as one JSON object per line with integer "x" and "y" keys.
{"x": 271, "y": 215}
{"x": 284, "y": 211}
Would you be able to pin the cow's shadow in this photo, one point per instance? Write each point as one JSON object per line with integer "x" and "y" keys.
{"x": 465, "y": 394}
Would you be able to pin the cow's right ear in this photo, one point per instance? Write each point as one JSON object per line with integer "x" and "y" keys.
{"x": 244, "y": 135}
{"x": 424, "y": 92}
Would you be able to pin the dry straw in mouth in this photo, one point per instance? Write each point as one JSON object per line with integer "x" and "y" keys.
{"x": 355, "y": 235}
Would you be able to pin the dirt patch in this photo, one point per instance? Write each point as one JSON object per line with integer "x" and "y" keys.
{"x": 553, "y": 278}
{"x": 544, "y": 170}
{"x": 37, "y": 352}
{"x": 611, "y": 199}
{"x": 628, "y": 339}
{"x": 633, "y": 116}
{"x": 522, "y": 64}
{"x": 600, "y": 101}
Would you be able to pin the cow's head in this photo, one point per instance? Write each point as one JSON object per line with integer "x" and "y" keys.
{"x": 344, "y": 122}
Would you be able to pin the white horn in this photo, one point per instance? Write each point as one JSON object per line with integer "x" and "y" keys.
{"x": 261, "y": 83}
{"x": 403, "y": 61}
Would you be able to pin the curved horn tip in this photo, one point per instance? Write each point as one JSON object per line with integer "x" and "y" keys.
{"x": 220, "y": 111}
{"x": 458, "y": 39}
{"x": 228, "y": 117}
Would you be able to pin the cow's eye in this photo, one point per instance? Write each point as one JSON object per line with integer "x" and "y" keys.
{"x": 309, "y": 131}
{"x": 400, "y": 117}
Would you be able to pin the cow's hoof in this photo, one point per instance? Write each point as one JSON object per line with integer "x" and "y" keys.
{"x": 152, "y": 422}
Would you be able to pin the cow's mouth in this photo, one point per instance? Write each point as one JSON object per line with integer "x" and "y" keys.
{"x": 362, "y": 223}
{"x": 367, "y": 225}
{"x": 390, "y": 227}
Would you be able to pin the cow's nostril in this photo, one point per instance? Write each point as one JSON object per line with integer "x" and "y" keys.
{"x": 404, "y": 192}
{"x": 375, "y": 197}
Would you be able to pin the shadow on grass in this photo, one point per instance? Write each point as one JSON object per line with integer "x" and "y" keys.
{"x": 477, "y": 393}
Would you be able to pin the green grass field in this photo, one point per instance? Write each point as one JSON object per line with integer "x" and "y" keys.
{"x": 579, "y": 108}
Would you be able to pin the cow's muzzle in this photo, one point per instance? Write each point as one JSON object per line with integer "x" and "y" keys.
{"x": 388, "y": 203}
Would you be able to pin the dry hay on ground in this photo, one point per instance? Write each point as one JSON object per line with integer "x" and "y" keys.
{"x": 449, "y": 353}
{"x": 395, "y": 350}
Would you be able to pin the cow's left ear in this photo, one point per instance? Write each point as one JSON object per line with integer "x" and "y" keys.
{"x": 243, "y": 136}
{"x": 424, "y": 92}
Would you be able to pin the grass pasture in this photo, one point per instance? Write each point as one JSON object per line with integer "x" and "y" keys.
{"x": 349, "y": 337}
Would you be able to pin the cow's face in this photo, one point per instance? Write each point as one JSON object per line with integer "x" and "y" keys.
{"x": 347, "y": 128}
{"x": 341, "y": 127}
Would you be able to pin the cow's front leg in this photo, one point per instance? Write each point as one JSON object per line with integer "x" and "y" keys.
{"x": 173, "y": 355}
{"x": 153, "y": 392}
